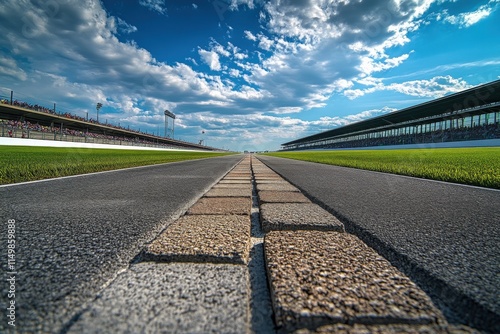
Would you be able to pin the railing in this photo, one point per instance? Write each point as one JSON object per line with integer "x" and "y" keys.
{"x": 18, "y": 99}
{"x": 14, "y": 132}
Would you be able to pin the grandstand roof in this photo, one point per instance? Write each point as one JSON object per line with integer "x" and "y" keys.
{"x": 468, "y": 99}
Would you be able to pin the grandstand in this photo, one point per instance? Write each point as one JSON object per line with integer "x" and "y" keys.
{"x": 472, "y": 114}
{"x": 23, "y": 120}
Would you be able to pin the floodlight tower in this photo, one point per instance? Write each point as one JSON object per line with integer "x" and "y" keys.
{"x": 97, "y": 107}
{"x": 169, "y": 132}
{"x": 202, "y": 140}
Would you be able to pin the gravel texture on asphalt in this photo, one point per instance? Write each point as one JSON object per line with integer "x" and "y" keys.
{"x": 297, "y": 216}
{"x": 200, "y": 238}
{"x": 318, "y": 277}
{"x": 171, "y": 298}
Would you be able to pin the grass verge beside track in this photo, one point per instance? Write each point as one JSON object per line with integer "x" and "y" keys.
{"x": 473, "y": 166}
{"x": 27, "y": 163}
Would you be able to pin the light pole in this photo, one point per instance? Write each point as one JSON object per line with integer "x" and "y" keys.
{"x": 97, "y": 107}
{"x": 202, "y": 141}
{"x": 168, "y": 115}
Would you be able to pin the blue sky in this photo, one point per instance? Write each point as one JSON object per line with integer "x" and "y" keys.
{"x": 244, "y": 74}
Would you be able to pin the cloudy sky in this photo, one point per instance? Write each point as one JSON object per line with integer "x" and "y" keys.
{"x": 250, "y": 74}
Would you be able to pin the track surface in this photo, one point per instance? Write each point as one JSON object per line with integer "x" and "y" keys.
{"x": 445, "y": 236}
{"x": 74, "y": 234}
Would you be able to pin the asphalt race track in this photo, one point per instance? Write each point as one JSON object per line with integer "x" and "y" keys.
{"x": 73, "y": 235}
{"x": 445, "y": 236}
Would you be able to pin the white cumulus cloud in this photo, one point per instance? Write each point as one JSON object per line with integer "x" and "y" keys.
{"x": 433, "y": 88}
{"x": 465, "y": 20}
{"x": 211, "y": 58}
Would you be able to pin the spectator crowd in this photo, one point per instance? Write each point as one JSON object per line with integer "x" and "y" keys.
{"x": 25, "y": 127}
{"x": 39, "y": 108}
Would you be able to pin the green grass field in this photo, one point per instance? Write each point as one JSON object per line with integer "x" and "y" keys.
{"x": 473, "y": 166}
{"x": 20, "y": 163}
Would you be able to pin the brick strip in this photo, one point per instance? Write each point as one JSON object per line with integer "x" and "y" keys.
{"x": 216, "y": 229}
{"x": 321, "y": 279}
{"x": 329, "y": 282}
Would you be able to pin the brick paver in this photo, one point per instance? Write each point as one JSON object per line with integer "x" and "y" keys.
{"x": 229, "y": 192}
{"x": 276, "y": 187}
{"x": 221, "y": 206}
{"x": 297, "y": 216}
{"x": 280, "y": 180}
{"x": 233, "y": 185}
{"x": 320, "y": 277}
{"x": 269, "y": 196}
{"x": 235, "y": 181}
{"x": 200, "y": 238}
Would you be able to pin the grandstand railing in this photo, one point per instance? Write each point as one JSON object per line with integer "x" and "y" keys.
{"x": 456, "y": 126}
{"x": 14, "y": 132}
{"x": 7, "y": 97}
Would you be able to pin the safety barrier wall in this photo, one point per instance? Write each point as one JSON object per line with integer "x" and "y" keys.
{"x": 12, "y": 132}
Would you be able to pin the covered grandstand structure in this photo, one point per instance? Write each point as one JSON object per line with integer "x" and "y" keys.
{"x": 23, "y": 122}
{"x": 472, "y": 114}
